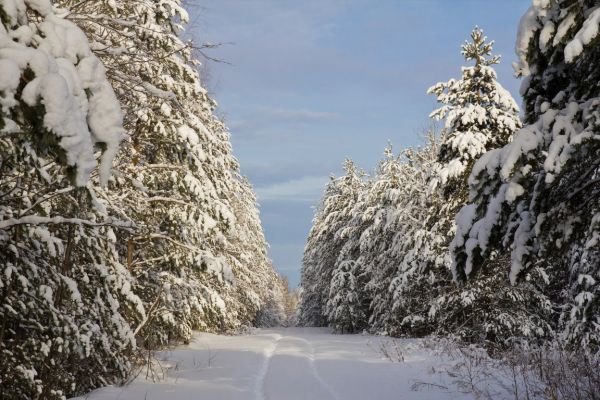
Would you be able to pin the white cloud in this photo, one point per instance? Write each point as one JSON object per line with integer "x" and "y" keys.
{"x": 305, "y": 189}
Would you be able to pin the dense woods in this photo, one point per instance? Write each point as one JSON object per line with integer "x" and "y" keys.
{"x": 97, "y": 266}
{"x": 489, "y": 231}
{"x": 126, "y": 223}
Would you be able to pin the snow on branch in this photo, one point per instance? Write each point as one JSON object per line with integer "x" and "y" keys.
{"x": 37, "y": 220}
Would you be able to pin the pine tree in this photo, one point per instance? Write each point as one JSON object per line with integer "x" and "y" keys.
{"x": 479, "y": 115}
{"x": 177, "y": 179}
{"x": 65, "y": 300}
{"x": 377, "y": 218}
{"x": 537, "y": 197}
{"x": 325, "y": 242}
{"x": 352, "y": 236}
{"x": 343, "y": 309}
{"x": 397, "y": 307}
{"x": 312, "y": 302}
{"x": 487, "y": 309}
{"x": 259, "y": 290}
{"x": 176, "y": 214}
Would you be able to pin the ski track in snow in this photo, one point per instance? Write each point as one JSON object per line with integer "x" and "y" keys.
{"x": 311, "y": 357}
{"x": 259, "y": 385}
{"x": 292, "y": 374}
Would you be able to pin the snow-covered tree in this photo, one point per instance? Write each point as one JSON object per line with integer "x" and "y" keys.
{"x": 343, "y": 308}
{"x": 292, "y": 301}
{"x": 399, "y": 302}
{"x": 311, "y": 309}
{"x": 177, "y": 179}
{"x": 325, "y": 242}
{"x": 537, "y": 197}
{"x": 258, "y": 287}
{"x": 479, "y": 115}
{"x": 378, "y": 216}
{"x": 176, "y": 215}
{"x": 65, "y": 299}
{"x": 358, "y": 219}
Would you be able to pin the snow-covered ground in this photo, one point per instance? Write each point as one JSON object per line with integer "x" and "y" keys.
{"x": 293, "y": 363}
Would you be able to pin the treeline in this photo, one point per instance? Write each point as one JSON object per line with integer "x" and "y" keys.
{"x": 94, "y": 265}
{"x": 490, "y": 231}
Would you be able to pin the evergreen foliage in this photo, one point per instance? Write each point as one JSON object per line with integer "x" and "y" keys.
{"x": 97, "y": 266}
{"x": 489, "y": 231}
{"x": 399, "y": 233}
{"x": 480, "y": 117}
{"x": 325, "y": 242}
{"x": 537, "y": 197}
{"x": 198, "y": 253}
{"x": 65, "y": 299}
{"x": 343, "y": 308}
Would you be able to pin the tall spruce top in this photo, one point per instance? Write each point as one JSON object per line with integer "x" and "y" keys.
{"x": 479, "y": 49}
{"x": 479, "y": 115}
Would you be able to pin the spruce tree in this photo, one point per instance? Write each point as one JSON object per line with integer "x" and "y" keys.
{"x": 352, "y": 236}
{"x": 479, "y": 115}
{"x": 259, "y": 289}
{"x": 311, "y": 308}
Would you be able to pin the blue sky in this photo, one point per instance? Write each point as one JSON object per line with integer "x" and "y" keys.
{"x": 312, "y": 82}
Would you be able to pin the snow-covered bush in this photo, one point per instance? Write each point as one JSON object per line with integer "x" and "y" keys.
{"x": 522, "y": 372}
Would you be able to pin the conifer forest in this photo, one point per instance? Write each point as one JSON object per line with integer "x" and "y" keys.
{"x": 134, "y": 263}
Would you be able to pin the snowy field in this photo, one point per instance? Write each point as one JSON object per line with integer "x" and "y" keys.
{"x": 293, "y": 363}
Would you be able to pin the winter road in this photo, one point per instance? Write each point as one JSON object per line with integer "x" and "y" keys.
{"x": 289, "y": 364}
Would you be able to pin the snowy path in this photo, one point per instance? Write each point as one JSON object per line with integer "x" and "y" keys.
{"x": 289, "y": 364}
{"x": 292, "y": 371}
